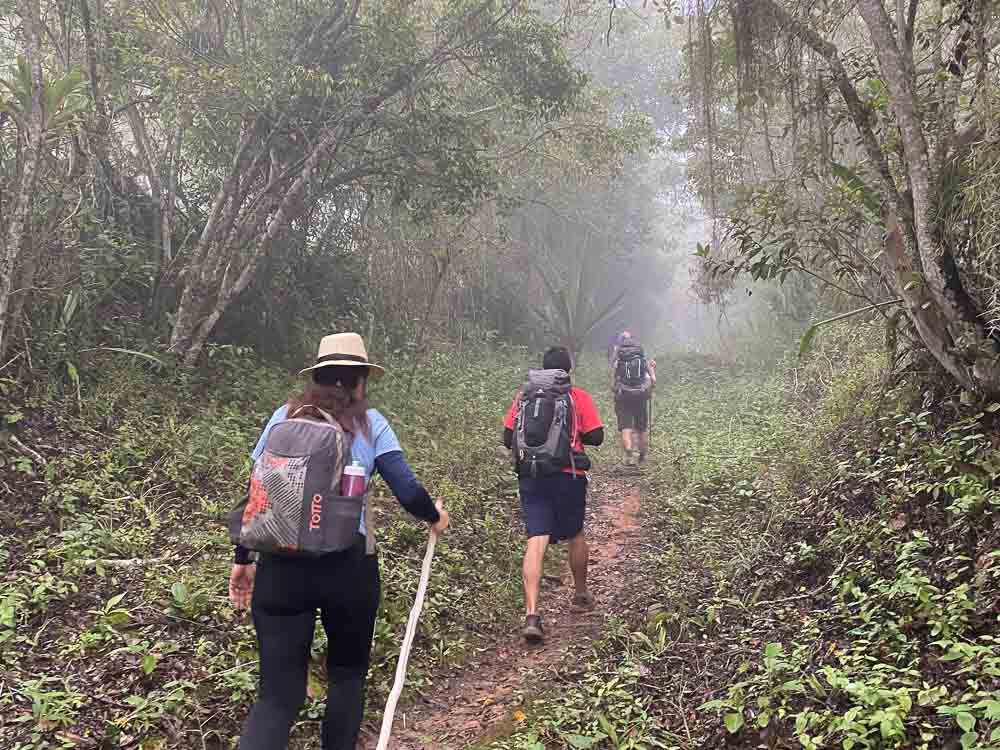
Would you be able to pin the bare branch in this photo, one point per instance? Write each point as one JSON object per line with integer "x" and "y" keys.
{"x": 860, "y": 113}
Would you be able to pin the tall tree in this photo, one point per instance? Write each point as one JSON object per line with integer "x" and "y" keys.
{"x": 913, "y": 138}
{"x": 15, "y": 226}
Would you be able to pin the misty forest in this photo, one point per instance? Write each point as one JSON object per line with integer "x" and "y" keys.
{"x": 793, "y": 207}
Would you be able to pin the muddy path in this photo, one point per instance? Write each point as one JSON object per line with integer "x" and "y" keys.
{"x": 482, "y": 700}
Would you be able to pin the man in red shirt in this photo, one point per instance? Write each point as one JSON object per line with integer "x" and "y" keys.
{"x": 553, "y": 505}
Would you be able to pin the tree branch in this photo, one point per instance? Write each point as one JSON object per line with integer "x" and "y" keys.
{"x": 29, "y": 451}
{"x": 860, "y": 113}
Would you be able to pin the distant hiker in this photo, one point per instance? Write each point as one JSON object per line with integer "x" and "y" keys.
{"x": 615, "y": 343}
{"x": 632, "y": 380}
{"x": 304, "y": 448}
{"x": 546, "y": 428}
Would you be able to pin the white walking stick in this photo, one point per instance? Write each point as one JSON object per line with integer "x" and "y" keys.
{"x": 404, "y": 652}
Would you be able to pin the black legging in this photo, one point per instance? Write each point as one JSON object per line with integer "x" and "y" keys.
{"x": 345, "y": 588}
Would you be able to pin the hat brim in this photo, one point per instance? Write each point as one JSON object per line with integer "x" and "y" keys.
{"x": 374, "y": 371}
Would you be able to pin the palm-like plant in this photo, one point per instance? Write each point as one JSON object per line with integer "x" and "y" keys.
{"x": 574, "y": 309}
{"x": 63, "y": 98}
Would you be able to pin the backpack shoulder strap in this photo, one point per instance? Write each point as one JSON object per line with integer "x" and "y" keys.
{"x": 572, "y": 430}
{"x": 347, "y": 438}
{"x": 572, "y": 409}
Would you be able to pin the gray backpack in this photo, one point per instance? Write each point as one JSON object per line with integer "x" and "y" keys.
{"x": 543, "y": 427}
{"x": 294, "y": 506}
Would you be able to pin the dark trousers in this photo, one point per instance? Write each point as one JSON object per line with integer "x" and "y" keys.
{"x": 345, "y": 589}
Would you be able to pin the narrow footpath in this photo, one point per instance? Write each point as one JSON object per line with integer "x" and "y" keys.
{"x": 482, "y": 700}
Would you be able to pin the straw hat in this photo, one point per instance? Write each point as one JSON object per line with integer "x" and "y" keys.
{"x": 344, "y": 350}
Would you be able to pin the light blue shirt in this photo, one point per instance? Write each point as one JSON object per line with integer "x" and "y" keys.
{"x": 383, "y": 441}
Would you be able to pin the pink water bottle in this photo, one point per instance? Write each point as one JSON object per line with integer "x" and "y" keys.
{"x": 352, "y": 483}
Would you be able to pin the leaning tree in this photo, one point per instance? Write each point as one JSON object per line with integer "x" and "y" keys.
{"x": 897, "y": 99}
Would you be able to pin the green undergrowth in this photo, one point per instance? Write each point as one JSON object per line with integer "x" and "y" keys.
{"x": 114, "y": 622}
{"x": 818, "y": 570}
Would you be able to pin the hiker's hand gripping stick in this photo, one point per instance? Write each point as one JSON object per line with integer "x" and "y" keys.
{"x": 443, "y": 521}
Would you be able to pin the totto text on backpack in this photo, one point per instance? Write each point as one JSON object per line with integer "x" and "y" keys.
{"x": 293, "y": 506}
{"x": 543, "y": 427}
{"x": 631, "y": 381}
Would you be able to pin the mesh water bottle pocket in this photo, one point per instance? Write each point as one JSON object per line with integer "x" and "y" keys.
{"x": 333, "y": 524}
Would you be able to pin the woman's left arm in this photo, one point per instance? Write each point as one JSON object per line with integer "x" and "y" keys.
{"x": 410, "y": 493}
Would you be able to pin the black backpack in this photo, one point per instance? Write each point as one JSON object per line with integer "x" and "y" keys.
{"x": 544, "y": 424}
{"x": 631, "y": 372}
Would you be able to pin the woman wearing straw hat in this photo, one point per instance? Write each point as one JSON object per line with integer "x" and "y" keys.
{"x": 284, "y": 593}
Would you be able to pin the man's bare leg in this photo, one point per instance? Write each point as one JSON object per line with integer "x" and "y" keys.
{"x": 534, "y": 556}
{"x": 579, "y": 558}
{"x": 643, "y": 445}
{"x": 628, "y": 444}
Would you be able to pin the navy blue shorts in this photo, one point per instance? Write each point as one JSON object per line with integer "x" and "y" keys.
{"x": 554, "y": 506}
{"x": 632, "y": 415}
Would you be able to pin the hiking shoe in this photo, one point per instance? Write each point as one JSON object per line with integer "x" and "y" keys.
{"x": 532, "y": 630}
{"x": 584, "y": 602}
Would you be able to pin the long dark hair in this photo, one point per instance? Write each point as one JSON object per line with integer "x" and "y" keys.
{"x": 332, "y": 390}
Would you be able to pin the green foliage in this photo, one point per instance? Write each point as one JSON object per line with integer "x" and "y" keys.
{"x": 63, "y": 99}
{"x": 427, "y": 111}
{"x": 887, "y": 648}
{"x": 570, "y": 313}
{"x": 855, "y": 186}
{"x": 51, "y": 708}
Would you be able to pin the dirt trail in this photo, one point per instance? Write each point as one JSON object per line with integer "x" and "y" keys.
{"x": 479, "y": 702}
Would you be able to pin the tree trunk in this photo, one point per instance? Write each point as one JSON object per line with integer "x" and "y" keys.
{"x": 168, "y": 209}
{"x": 17, "y": 231}
{"x": 901, "y": 95}
{"x": 150, "y": 165}
{"x": 45, "y": 235}
{"x": 919, "y": 304}
{"x": 441, "y": 267}
{"x": 28, "y": 265}
{"x": 193, "y": 299}
{"x": 950, "y": 300}
{"x": 168, "y": 204}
